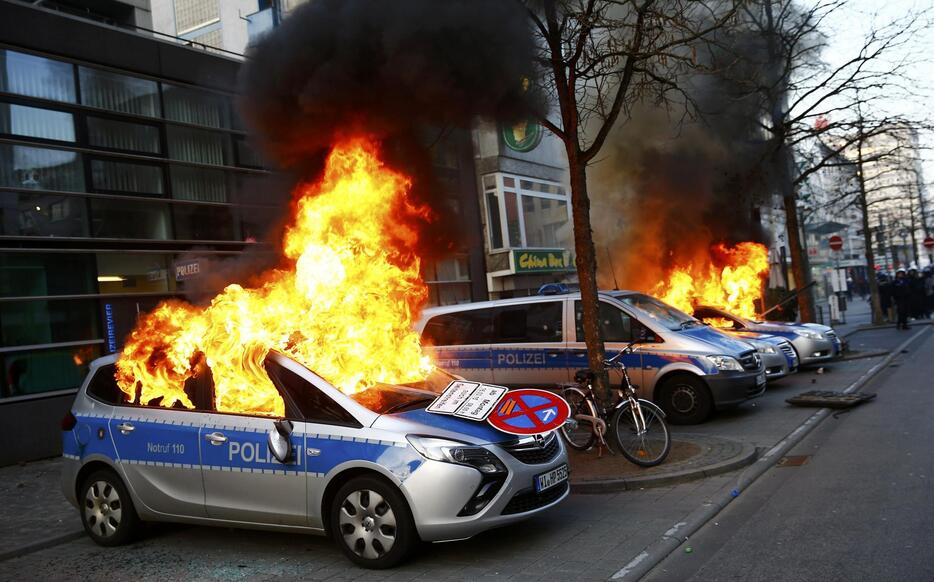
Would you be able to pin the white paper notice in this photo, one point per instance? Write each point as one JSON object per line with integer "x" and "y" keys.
{"x": 453, "y": 397}
{"x": 470, "y": 400}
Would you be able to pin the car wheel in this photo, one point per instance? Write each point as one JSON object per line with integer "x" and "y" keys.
{"x": 685, "y": 400}
{"x": 372, "y": 524}
{"x": 107, "y": 511}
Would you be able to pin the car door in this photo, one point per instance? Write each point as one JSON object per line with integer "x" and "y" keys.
{"x": 460, "y": 342}
{"x": 528, "y": 346}
{"x": 157, "y": 449}
{"x": 242, "y": 480}
{"x": 617, "y": 329}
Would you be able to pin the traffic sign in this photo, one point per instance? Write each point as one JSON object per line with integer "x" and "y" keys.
{"x": 929, "y": 242}
{"x": 529, "y": 411}
{"x": 836, "y": 242}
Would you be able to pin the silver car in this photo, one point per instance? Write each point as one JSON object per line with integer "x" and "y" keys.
{"x": 375, "y": 471}
{"x": 778, "y": 355}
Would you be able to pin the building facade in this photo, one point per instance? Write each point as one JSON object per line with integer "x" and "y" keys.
{"x": 120, "y": 156}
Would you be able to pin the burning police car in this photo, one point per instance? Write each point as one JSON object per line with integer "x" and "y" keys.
{"x": 374, "y": 470}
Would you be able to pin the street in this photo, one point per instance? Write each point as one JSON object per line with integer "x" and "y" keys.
{"x": 864, "y": 483}
{"x": 858, "y": 509}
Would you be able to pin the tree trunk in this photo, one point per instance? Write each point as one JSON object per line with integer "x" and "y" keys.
{"x": 874, "y": 299}
{"x": 799, "y": 264}
{"x": 587, "y": 273}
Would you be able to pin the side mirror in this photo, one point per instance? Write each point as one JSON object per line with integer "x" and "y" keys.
{"x": 280, "y": 441}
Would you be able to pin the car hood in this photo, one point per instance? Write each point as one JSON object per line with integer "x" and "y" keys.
{"x": 442, "y": 425}
{"x": 718, "y": 341}
{"x": 786, "y": 327}
{"x": 755, "y": 335}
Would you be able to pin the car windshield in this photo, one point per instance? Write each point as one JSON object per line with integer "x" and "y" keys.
{"x": 662, "y": 313}
{"x": 391, "y": 398}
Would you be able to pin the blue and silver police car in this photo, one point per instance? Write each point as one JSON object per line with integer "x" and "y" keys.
{"x": 686, "y": 367}
{"x": 375, "y": 471}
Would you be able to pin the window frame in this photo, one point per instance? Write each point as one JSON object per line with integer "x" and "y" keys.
{"x": 499, "y": 191}
{"x": 291, "y": 403}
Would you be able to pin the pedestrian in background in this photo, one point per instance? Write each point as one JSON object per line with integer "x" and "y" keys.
{"x": 928, "y": 276}
{"x": 901, "y": 292}
{"x": 917, "y": 297}
{"x": 885, "y": 296}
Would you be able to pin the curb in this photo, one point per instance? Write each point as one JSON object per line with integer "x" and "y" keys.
{"x": 871, "y": 327}
{"x": 746, "y": 457}
{"x": 653, "y": 554}
{"x": 40, "y": 545}
{"x": 863, "y": 355}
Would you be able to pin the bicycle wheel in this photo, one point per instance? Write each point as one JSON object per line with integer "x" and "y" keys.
{"x": 644, "y": 448}
{"x": 582, "y": 437}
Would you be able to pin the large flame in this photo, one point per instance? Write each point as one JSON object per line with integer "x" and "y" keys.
{"x": 731, "y": 279}
{"x": 343, "y": 304}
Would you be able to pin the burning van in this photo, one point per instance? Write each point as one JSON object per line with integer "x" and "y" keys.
{"x": 686, "y": 367}
{"x": 374, "y": 470}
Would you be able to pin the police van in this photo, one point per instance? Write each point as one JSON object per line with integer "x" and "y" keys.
{"x": 685, "y": 366}
{"x": 375, "y": 470}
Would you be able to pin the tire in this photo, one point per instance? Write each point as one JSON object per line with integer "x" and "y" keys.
{"x": 584, "y": 436}
{"x": 649, "y": 448}
{"x": 107, "y": 511}
{"x": 685, "y": 399}
{"x": 367, "y": 515}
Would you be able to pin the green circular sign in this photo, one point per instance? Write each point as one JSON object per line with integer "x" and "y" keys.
{"x": 523, "y": 136}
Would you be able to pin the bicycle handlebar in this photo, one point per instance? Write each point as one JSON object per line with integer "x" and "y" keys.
{"x": 613, "y": 361}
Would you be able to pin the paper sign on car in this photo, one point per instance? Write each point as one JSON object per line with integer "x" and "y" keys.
{"x": 470, "y": 400}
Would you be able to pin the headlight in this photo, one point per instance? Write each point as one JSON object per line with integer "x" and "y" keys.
{"x": 814, "y": 335}
{"x": 725, "y": 363}
{"x": 763, "y": 348}
{"x": 458, "y": 453}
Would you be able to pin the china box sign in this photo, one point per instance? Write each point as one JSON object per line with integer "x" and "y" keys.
{"x": 542, "y": 261}
{"x": 187, "y": 269}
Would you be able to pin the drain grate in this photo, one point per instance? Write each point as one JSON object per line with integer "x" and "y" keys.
{"x": 793, "y": 460}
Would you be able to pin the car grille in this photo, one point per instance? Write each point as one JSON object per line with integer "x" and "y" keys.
{"x": 531, "y": 453}
{"x": 790, "y": 352}
{"x": 528, "y": 499}
{"x": 750, "y": 361}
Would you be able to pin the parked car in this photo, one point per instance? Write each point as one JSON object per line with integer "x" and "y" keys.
{"x": 375, "y": 471}
{"x": 777, "y": 353}
{"x": 686, "y": 367}
{"x": 814, "y": 343}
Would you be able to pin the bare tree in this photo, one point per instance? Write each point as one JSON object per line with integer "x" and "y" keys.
{"x": 598, "y": 59}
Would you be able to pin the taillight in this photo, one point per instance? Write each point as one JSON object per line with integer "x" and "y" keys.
{"x": 69, "y": 421}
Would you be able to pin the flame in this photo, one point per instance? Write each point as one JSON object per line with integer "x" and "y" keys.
{"x": 731, "y": 279}
{"x": 343, "y": 305}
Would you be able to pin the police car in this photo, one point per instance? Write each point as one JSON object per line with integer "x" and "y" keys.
{"x": 375, "y": 471}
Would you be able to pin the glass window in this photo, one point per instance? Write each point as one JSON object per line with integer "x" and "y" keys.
{"x": 246, "y": 154}
{"x": 313, "y": 404}
{"x": 109, "y": 176}
{"x": 116, "y": 92}
{"x": 615, "y": 324}
{"x": 40, "y": 168}
{"x": 195, "y": 106}
{"x": 191, "y": 14}
{"x": 34, "y": 76}
{"x": 663, "y": 313}
{"x": 204, "y": 222}
{"x": 198, "y": 184}
{"x": 459, "y": 328}
{"x": 24, "y": 214}
{"x": 122, "y": 135}
{"x": 129, "y": 219}
{"x": 198, "y": 145}
{"x": 26, "y": 323}
{"x": 495, "y": 226}
{"x": 134, "y": 273}
{"x": 546, "y": 222}
{"x": 512, "y": 220}
{"x": 103, "y": 386}
{"x": 534, "y": 322}
{"x": 452, "y": 269}
{"x": 448, "y": 293}
{"x": 34, "y": 372}
{"x": 36, "y": 122}
{"x": 34, "y": 274}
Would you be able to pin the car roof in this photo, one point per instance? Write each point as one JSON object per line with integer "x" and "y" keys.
{"x": 515, "y": 301}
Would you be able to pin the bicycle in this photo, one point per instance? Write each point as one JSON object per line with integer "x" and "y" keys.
{"x": 637, "y": 425}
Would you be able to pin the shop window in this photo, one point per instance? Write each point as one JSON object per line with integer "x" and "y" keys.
{"x": 129, "y": 219}
{"x": 120, "y": 93}
{"x": 122, "y": 135}
{"x": 38, "y": 322}
{"x": 197, "y": 145}
{"x": 198, "y": 184}
{"x": 34, "y": 76}
{"x": 38, "y": 371}
{"x": 123, "y": 177}
{"x": 39, "y": 274}
{"x": 40, "y": 168}
{"x": 24, "y": 214}
{"x": 546, "y": 222}
{"x": 134, "y": 273}
{"x": 36, "y": 122}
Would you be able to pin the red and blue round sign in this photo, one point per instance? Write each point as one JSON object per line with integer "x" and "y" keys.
{"x": 529, "y": 411}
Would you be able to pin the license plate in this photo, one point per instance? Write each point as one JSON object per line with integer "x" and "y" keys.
{"x": 760, "y": 379}
{"x": 551, "y": 478}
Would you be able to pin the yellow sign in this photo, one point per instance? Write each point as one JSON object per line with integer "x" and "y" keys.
{"x": 543, "y": 261}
